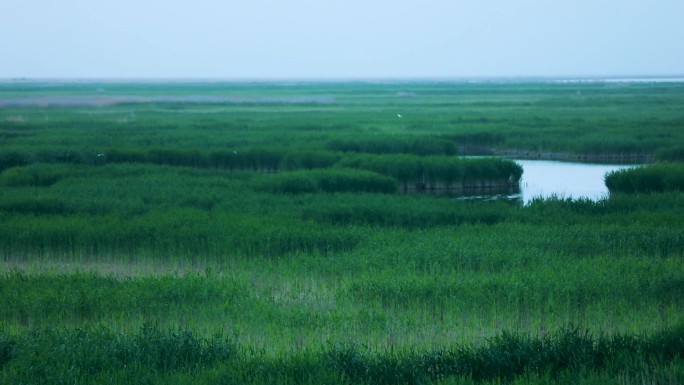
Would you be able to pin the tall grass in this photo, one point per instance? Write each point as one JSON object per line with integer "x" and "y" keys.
{"x": 329, "y": 181}
{"x": 144, "y": 211}
{"x": 129, "y": 233}
{"x": 429, "y": 172}
{"x": 94, "y": 355}
{"x": 652, "y": 178}
{"x": 437, "y": 119}
{"x": 422, "y": 146}
{"x": 56, "y": 356}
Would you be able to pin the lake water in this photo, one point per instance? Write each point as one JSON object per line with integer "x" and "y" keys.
{"x": 564, "y": 179}
{"x": 546, "y": 178}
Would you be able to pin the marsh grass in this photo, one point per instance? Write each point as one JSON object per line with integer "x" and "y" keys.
{"x": 647, "y": 179}
{"x": 131, "y": 233}
{"x": 92, "y": 354}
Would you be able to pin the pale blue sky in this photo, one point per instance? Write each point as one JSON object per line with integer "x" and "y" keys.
{"x": 239, "y": 39}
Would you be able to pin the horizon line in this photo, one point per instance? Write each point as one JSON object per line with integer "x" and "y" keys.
{"x": 345, "y": 79}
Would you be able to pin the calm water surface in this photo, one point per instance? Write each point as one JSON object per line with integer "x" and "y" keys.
{"x": 564, "y": 179}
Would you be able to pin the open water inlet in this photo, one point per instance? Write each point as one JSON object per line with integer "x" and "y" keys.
{"x": 546, "y": 178}
{"x": 543, "y": 178}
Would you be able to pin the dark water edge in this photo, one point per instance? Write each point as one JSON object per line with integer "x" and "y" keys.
{"x": 507, "y": 193}
{"x": 599, "y": 158}
{"x": 609, "y": 159}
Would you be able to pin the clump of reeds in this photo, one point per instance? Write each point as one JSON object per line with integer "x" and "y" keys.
{"x": 654, "y": 178}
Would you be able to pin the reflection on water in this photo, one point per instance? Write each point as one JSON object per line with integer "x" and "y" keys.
{"x": 489, "y": 197}
{"x": 563, "y": 179}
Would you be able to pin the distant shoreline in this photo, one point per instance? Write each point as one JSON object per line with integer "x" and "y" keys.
{"x": 474, "y": 79}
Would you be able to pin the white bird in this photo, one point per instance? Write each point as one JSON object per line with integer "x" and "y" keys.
{"x": 398, "y": 115}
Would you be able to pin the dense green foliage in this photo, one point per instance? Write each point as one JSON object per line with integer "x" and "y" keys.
{"x": 672, "y": 154}
{"x": 284, "y": 217}
{"x": 139, "y": 211}
{"x": 431, "y": 171}
{"x": 653, "y": 178}
{"x": 329, "y": 181}
{"x": 150, "y": 355}
{"x": 436, "y": 119}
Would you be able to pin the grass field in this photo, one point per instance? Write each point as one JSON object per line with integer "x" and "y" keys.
{"x": 289, "y": 233}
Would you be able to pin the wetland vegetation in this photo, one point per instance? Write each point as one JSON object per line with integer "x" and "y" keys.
{"x": 288, "y": 233}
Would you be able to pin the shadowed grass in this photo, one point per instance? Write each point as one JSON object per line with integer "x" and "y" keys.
{"x": 93, "y": 355}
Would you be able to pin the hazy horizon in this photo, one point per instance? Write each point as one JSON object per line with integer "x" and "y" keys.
{"x": 677, "y": 78}
{"x": 265, "y": 40}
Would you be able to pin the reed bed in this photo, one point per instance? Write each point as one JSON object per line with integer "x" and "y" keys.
{"x": 99, "y": 355}
{"x": 258, "y": 235}
{"x": 652, "y": 178}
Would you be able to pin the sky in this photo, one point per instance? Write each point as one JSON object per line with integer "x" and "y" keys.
{"x": 335, "y": 39}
